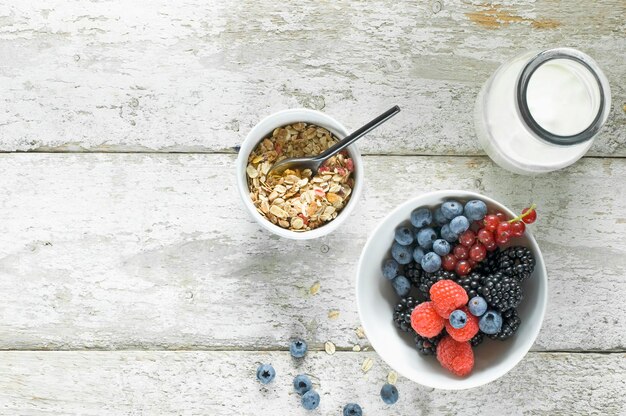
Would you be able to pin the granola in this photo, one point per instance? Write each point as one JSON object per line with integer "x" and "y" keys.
{"x": 298, "y": 200}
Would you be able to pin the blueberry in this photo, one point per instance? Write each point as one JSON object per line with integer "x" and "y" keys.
{"x": 477, "y": 306}
{"x": 265, "y": 373}
{"x": 390, "y": 269}
{"x": 441, "y": 247}
{"x": 401, "y": 254}
{"x": 421, "y": 217}
{"x": 298, "y": 348}
{"x": 490, "y": 323}
{"x": 458, "y": 319}
{"x": 310, "y": 400}
{"x": 431, "y": 262}
{"x": 425, "y": 238}
{"x": 447, "y": 234}
{"x": 475, "y": 210}
{"x": 302, "y": 384}
{"x": 459, "y": 224}
{"x": 389, "y": 393}
{"x": 401, "y": 285}
{"x": 451, "y": 209}
{"x": 418, "y": 254}
{"x": 352, "y": 409}
{"x": 404, "y": 236}
{"x": 440, "y": 219}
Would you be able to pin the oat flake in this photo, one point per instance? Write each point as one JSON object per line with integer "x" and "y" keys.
{"x": 315, "y": 288}
{"x": 367, "y": 365}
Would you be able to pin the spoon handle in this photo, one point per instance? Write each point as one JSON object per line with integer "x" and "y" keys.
{"x": 357, "y": 134}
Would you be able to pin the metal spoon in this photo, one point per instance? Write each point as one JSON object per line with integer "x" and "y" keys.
{"x": 314, "y": 162}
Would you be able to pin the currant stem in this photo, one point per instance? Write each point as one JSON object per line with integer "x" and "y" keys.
{"x": 519, "y": 217}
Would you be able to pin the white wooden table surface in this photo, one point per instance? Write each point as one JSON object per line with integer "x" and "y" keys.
{"x": 132, "y": 281}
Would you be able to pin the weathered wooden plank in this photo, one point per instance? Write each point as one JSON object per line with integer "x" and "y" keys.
{"x": 154, "y": 251}
{"x": 223, "y": 383}
{"x": 196, "y": 75}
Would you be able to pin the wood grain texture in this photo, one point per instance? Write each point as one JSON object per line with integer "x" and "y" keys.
{"x": 223, "y": 384}
{"x": 196, "y": 75}
{"x": 118, "y": 251}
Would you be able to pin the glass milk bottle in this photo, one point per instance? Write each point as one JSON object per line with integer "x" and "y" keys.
{"x": 539, "y": 112}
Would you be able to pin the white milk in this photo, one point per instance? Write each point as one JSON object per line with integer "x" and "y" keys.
{"x": 563, "y": 97}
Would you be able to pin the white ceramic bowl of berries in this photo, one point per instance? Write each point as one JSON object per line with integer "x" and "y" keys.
{"x": 452, "y": 289}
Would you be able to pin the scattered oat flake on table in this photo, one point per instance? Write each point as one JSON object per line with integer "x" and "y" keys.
{"x": 329, "y": 347}
{"x": 360, "y": 332}
{"x": 315, "y": 288}
{"x": 356, "y": 348}
{"x": 333, "y": 314}
{"x": 392, "y": 377}
{"x": 367, "y": 365}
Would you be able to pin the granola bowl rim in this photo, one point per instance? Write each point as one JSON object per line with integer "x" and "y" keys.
{"x": 280, "y": 119}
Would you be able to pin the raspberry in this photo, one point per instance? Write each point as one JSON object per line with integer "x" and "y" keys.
{"x": 447, "y": 296}
{"x": 426, "y": 321}
{"x": 467, "y": 332}
{"x": 456, "y": 357}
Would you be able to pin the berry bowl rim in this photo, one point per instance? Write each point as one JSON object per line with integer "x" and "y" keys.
{"x": 265, "y": 127}
{"x": 387, "y": 347}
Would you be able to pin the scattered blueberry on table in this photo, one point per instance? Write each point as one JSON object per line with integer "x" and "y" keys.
{"x": 352, "y": 409}
{"x": 389, "y": 393}
{"x": 302, "y": 384}
{"x": 265, "y": 373}
{"x": 298, "y": 348}
{"x": 310, "y": 400}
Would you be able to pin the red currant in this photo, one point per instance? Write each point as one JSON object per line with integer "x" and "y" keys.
{"x": 491, "y": 246}
{"x": 449, "y": 262}
{"x": 518, "y": 228}
{"x": 463, "y": 268}
{"x": 501, "y": 216}
{"x": 460, "y": 252}
{"x": 467, "y": 238}
{"x": 491, "y": 222}
{"x": 530, "y": 217}
{"x": 504, "y": 226}
{"x": 485, "y": 236}
{"x": 478, "y": 252}
{"x": 503, "y": 237}
{"x": 472, "y": 263}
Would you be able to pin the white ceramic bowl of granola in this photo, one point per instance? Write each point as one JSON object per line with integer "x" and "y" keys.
{"x": 376, "y": 299}
{"x": 264, "y": 128}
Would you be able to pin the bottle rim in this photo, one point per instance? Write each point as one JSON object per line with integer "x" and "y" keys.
{"x": 522, "y": 102}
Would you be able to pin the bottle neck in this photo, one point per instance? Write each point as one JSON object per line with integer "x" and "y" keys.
{"x": 524, "y": 109}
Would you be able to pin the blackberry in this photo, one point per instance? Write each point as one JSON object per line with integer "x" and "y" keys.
{"x": 517, "y": 262}
{"x": 413, "y": 272}
{"x": 427, "y": 346}
{"x": 471, "y": 284}
{"x": 510, "y": 324}
{"x": 490, "y": 263}
{"x": 402, "y": 314}
{"x": 500, "y": 291}
{"x": 429, "y": 279}
{"x": 477, "y": 339}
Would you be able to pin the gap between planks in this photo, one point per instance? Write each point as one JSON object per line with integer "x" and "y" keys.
{"x": 224, "y": 152}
